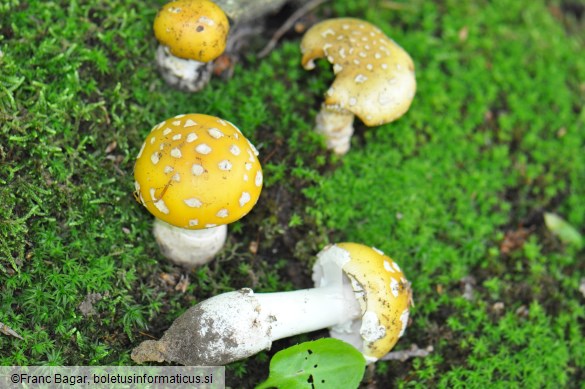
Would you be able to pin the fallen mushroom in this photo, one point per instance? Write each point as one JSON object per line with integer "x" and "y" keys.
{"x": 360, "y": 294}
{"x": 196, "y": 173}
{"x": 191, "y": 34}
{"x": 374, "y": 77}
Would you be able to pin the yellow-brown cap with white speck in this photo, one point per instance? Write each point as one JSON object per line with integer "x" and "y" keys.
{"x": 374, "y": 76}
{"x": 197, "y": 171}
{"x": 192, "y": 29}
{"x": 384, "y": 295}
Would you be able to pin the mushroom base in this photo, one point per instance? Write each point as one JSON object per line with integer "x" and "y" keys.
{"x": 337, "y": 127}
{"x": 236, "y": 325}
{"x": 217, "y": 331}
{"x": 184, "y": 74}
{"x": 189, "y": 248}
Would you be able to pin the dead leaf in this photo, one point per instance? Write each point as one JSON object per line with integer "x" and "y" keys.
{"x": 9, "y": 331}
{"x": 463, "y": 34}
{"x": 183, "y": 284}
{"x": 168, "y": 279}
{"x": 514, "y": 240}
{"x": 563, "y": 230}
{"x": 111, "y": 147}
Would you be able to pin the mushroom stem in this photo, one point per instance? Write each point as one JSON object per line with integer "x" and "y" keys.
{"x": 236, "y": 325}
{"x": 336, "y": 124}
{"x": 307, "y": 310}
{"x": 184, "y": 74}
{"x": 189, "y": 248}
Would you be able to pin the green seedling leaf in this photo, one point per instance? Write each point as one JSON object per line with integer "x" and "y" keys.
{"x": 320, "y": 364}
{"x": 563, "y": 230}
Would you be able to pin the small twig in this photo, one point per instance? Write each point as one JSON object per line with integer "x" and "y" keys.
{"x": 288, "y": 24}
{"x": 270, "y": 155}
{"x": 9, "y": 331}
{"x": 403, "y": 355}
{"x": 147, "y": 335}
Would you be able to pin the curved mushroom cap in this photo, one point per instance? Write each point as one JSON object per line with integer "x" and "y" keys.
{"x": 381, "y": 289}
{"x": 375, "y": 77}
{"x": 197, "y": 171}
{"x": 192, "y": 29}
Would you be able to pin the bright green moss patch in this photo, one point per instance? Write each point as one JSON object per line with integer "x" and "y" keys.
{"x": 455, "y": 190}
{"x": 494, "y": 139}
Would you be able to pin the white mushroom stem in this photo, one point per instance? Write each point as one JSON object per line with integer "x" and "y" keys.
{"x": 189, "y": 248}
{"x": 336, "y": 124}
{"x": 307, "y": 310}
{"x": 185, "y": 74}
{"x": 236, "y": 325}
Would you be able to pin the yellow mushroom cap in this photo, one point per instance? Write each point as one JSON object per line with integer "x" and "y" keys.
{"x": 374, "y": 76}
{"x": 383, "y": 293}
{"x": 197, "y": 171}
{"x": 192, "y": 29}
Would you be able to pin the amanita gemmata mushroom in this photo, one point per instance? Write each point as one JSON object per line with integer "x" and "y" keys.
{"x": 196, "y": 173}
{"x": 374, "y": 77}
{"x": 191, "y": 33}
{"x": 360, "y": 294}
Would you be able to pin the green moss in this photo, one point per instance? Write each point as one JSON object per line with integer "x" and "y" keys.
{"x": 494, "y": 138}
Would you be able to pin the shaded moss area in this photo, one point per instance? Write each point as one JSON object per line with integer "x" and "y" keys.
{"x": 454, "y": 191}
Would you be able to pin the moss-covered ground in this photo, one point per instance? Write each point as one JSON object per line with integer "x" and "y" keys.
{"x": 455, "y": 191}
